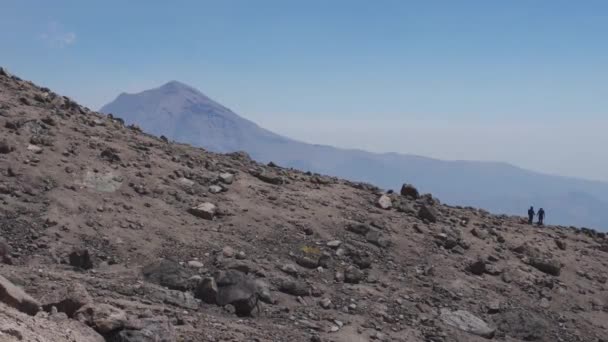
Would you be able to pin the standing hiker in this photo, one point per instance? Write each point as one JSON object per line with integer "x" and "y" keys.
{"x": 531, "y": 215}
{"x": 541, "y": 216}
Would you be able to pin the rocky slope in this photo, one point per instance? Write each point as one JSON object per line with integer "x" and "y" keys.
{"x": 121, "y": 236}
{"x": 184, "y": 114}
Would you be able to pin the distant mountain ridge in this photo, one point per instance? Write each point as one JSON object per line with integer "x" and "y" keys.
{"x": 184, "y": 114}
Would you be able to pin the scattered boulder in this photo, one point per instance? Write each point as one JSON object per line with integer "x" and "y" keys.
{"x": 359, "y": 228}
{"x": 5, "y": 148}
{"x": 173, "y": 297}
{"x": 186, "y": 182}
{"x": 67, "y": 299}
{"x": 226, "y": 178}
{"x": 361, "y": 259}
{"x": 478, "y": 267}
{"x": 561, "y": 244}
{"x": 481, "y": 234}
{"x": 325, "y": 303}
{"x": 307, "y": 262}
{"x": 334, "y": 243}
{"x": 215, "y": 189}
{"x": 294, "y": 288}
{"x": 467, "y": 322}
{"x": 550, "y": 266}
{"x": 81, "y": 258}
{"x": 269, "y": 178}
{"x": 290, "y": 269}
{"x": 409, "y": 190}
{"x": 207, "y": 290}
{"x": 34, "y": 148}
{"x": 5, "y": 252}
{"x": 110, "y": 154}
{"x": 494, "y": 306}
{"x": 205, "y": 211}
{"x": 104, "y": 318}
{"x": 427, "y": 213}
{"x": 154, "y": 329}
{"x": 237, "y": 289}
{"x": 167, "y": 273}
{"x": 228, "y": 252}
{"x": 522, "y": 325}
{"x": 385, "y": 202}
{"x": 195, "y": 264}
{"x": 376, "y": 238}
{"x": 353, "y": 275}
{"x": 15, "y": 297}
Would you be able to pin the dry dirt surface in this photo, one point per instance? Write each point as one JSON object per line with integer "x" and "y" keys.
{"x": 117, "y": 235}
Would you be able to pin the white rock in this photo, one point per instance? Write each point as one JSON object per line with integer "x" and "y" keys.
{"x": 385, "y": 202}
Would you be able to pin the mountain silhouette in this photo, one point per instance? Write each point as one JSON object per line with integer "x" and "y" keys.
{"x": 182, "y": 113}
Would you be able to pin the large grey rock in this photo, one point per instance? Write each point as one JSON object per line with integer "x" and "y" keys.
{"x": 523, "y": 325}
{"x": 467, "y": 322}
{"x": 270, "y": 178}
{"x": 172, "y": 297}
{"x": 15, "y": 297}
{"x": 156, "y": 329}
{"x": 67, "y": 299}
{"x": 81, "y": 258}
{"x": 104, "y": 318}
{"x": 549, "y": 266}
{"x": 427, "y": 213}
{"x": 237, "y": 289}
{"x": 207, "y": 290}
{"x": 167, "y": 273}
{"x": 409, "y": 190}
{"x": 376, "y": 238}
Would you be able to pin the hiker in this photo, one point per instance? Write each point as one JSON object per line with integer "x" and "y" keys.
{"x": 541, "y": 216}
{"x": 531, "y": 215}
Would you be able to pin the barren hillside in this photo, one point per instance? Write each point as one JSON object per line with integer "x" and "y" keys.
{"x": 121, "y": 236}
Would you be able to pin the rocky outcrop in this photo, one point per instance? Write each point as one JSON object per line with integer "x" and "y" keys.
{"x": 15, "y": 297}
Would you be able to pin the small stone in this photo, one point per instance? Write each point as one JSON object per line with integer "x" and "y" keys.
{"x": 204, "y": 210}
{"x": 325, "y": 303}
{"x": 334, "y": 244}
{"x": 215, "y": 189}
{"x": 226, "y": 178}
{"x": 478, "y": 267}
{"x": 561, "y": 244}
{"x": 195, "y": 264}
{"x": 290, "y": 269}
{"x": 241, "y": 255}
{"x": 228, "y": 252}
{"x": 494, "y": 307}
{"x": 34, "y": 148}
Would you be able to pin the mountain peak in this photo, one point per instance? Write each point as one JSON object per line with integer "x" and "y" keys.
{"x": 177, "y": 86}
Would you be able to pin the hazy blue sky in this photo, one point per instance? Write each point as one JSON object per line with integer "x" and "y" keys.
{"x": 519, "y": 81}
